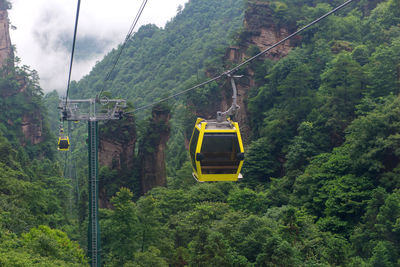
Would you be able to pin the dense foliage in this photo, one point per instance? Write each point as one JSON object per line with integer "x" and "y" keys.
{"x": 34, "y": 195}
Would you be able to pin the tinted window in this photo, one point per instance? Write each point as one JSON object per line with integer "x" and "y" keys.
{"x": 220, "y": 152}
{"x": 63, "y": 144}
{"x": 216, "y": 142}
{"x": 192, "y": 147}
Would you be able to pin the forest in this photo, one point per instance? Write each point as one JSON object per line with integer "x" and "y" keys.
{"x": 321, "y": 182}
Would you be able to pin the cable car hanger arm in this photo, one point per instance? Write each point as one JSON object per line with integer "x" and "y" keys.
{"x": 221, "y": 116}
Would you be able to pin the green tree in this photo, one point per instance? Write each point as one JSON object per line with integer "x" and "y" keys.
{"x": 341, "y": 89}
{"x": 214, "y": 251}
{"x": 383, "y": 70}
{"x": 302, "y": 148}
{"x": 55, "y": 244}
{"x": 248, "y": 200}
{"x": 150, "y": 232}
{"x": 150, "y": 257}
{"x": 120, "y": 229}
{"x": 381, "y": 256}
{"x": 388, "y": 218}
{"x": 260, "y": 164}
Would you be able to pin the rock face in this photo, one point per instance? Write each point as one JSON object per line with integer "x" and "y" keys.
{"x": 117, "y": 140}
{"x": 262, "y": 31}
{"x": 32, "y": 128}
{"x": 6, "y": 52}
{"x": 117, "y": 144}
{"x": 31, "y": 121}
{"x": 152, "y": 149}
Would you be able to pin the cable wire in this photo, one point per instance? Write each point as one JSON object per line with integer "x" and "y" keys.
{"x": 177, "y": 94}
{"x": 73, "y": 49}
{"x": 248, "y": 60}
{"x": 128, "y": 36}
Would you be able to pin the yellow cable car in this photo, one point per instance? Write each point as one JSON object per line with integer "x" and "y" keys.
{"x": 216, "y": 151}
{"x": 63, "y": 143}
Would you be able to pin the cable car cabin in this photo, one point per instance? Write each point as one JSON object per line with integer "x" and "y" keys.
{"x": 216, "y": 151}
{"x": 63, "y": 143}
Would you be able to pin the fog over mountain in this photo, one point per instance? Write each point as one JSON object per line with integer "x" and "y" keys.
{"x": 44, "y": 32}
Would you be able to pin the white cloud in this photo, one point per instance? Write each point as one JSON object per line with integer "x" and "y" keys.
{"x": 45, "y": 30}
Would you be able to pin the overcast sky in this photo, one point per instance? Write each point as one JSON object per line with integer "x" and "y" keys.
{"x": 44, "y": 32}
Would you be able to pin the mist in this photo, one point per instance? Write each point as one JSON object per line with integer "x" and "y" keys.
{"x": 44, "y": 33}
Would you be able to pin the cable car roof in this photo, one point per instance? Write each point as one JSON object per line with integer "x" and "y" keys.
{"x": 212, "y": 125}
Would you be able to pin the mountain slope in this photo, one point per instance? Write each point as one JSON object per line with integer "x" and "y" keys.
{"x": 157, "y": 62}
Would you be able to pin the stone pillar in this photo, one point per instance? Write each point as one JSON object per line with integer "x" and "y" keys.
{"x": 6, "y": 53}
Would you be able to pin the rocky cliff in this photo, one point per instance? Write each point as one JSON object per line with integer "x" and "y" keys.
{"x": 262, "y": 29}
{"x": 152, "y": 149}
{"x": 117, "y": 140}
{"x": 32, "y": 128}
{"x": 117, "y": 144}
{"x": 19, "y": 89}
{"x": 6, "y": 52}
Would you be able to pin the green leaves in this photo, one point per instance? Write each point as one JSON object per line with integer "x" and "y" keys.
{"x": 53, "y": 244}
{"x": 41, "y": 246}
{"x": 383, "y": 70}
{"x": 260, "y": 163}
{"x": 120, "y": 229}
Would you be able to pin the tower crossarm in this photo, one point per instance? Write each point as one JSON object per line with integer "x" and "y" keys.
{"x": 91, "y": 109}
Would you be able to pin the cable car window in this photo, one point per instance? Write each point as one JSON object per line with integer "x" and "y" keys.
{"x": 64, "y": 144}
{"x": 193, "y": 145}
{"x": 220, "y": 153}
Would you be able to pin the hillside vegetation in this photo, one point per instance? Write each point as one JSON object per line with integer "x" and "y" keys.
{"x": 34, "y": 195}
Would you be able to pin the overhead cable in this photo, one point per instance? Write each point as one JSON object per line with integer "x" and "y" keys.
{"x": 248, "y": 60}
{"x": 128, "y": 36}
{"x": 180, "y": 93}
{"x": 73, "y": 49}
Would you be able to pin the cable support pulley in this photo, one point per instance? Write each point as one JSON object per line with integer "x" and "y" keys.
{"x": 236, "y": 68}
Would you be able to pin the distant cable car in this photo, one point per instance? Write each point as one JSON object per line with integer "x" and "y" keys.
{"x": 216, "y": 147}
{"x": 216, "y": 150}
{"x": 63, "y": 143}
